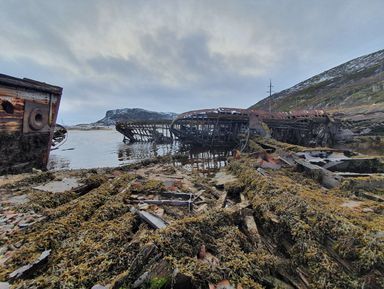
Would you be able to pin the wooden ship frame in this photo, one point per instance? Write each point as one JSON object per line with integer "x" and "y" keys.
{"x": 229, "y": 127}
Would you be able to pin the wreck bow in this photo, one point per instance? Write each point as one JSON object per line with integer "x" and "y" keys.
{"x": 28, "y": 112}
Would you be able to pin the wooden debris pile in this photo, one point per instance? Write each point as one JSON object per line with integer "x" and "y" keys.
{"x": 156, "y": 226}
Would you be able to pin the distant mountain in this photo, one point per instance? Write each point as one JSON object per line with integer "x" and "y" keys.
{"x": 354, "y": 84}
{"x": 132, "y": 114}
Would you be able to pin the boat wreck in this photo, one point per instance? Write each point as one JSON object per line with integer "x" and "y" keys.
{"x": 146, "y": 131}
{"x": 232, "y": 126}
{"x": 28, "y": 112}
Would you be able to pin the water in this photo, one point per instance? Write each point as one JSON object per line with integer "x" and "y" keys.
{"x": 104, "y": 148}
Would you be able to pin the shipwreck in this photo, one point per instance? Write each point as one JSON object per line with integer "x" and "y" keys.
{"x": 233, "y": 126}
{"x": 28, "y": 112}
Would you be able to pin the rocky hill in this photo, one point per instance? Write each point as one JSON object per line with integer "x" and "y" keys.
{"x": 356, "y": 83}
{"x": 132, "y": 114}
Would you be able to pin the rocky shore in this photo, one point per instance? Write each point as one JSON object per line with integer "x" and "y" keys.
{"x": 272, "y": 218}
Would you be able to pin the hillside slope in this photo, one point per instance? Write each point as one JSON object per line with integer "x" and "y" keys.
{"x": 132, "y": 114}
{"x": 356, "y": 83}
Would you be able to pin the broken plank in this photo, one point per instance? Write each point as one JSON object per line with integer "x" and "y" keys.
{"x": 220, "y": 203}
{"x": 184, "y": 196}
{"x": 251, "y": 228}
{"x": 25, "y": 271}
{"x": 163, "y": 202}
{"x": 325, "y": 177}
{"x": 370, "y": 196}
{"x": 154, "y": 221}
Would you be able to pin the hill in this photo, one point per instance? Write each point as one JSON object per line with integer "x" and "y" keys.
{"x": 356, "y": 83}
{"x": 132, "y": 114}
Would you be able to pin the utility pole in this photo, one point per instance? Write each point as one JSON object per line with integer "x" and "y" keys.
{"x": 270, "y": 94}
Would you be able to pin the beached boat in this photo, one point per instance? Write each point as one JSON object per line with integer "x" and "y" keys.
{"x": 28, "y": 112}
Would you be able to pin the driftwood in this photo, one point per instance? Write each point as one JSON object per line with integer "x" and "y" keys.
{"x": 27, "y": 270}
{"x": 164, "y": 202}
{"x": 153, "y": 220}
{"x": 251, "y": 229}
{"x": 184, "y": 196}
{"x": 370, "y": 196}
{"x": 220, "y": 203}
{"x": 84, "y": 189}
{"x": 324, "y": 176}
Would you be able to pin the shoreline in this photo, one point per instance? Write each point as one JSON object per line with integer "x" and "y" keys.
{"x": 255, "y": 223}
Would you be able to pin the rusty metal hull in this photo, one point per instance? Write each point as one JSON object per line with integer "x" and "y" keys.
{"x": 28, "y": 112}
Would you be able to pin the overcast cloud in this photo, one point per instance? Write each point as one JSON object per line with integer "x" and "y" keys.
{"x": 179, "y": 55}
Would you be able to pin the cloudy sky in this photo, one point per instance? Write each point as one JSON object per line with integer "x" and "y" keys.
{"x": 179, "y": 55}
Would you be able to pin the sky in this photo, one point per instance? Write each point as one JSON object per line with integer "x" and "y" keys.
{"x": 179, "y": 55}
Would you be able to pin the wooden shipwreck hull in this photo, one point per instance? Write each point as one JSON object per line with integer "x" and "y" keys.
{"x": 146, "y": 131}
{"x": 211, "y": 127}
{"x": 225, "y": 127}
{"x": 28, "y": 112}
{"x": 307, "y": 127}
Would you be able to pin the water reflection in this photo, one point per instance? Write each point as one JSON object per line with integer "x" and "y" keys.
{"x": 93, "y": 149}
{"x": 142, "y": 150}
{"x": 203, "y": 159}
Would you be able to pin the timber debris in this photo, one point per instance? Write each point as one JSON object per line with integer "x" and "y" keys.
{"x": 258, "y": 223}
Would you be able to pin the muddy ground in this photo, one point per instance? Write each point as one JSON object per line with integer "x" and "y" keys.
{"x": 257, "y": 223}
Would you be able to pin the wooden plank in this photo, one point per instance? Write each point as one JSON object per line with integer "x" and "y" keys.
{"x": 9, "y": 119}
{"x": 153, "y": 220}
{"x": 11, "y": 126}
{"x": 9, "y": 82}
{"x": 8, "y": 92}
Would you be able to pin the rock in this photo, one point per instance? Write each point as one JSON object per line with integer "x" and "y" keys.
{"x": 368, "y": 210}
{"x": 222, "y": 178}
{"x": 143, "y": 206}
{"x": 66, "y": 184}
{"x": 27, "y": 270}
{"x": 224, "y": 284}
{"x": 98, "y": 286}
{"x": 141, "y": 280}
{"x": 206, "y": 257}
{"x": 5, "y": 285}
{"x": 269, "y": 165}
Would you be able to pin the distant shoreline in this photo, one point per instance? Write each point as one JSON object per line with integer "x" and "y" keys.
{"x": 86, "y": 128}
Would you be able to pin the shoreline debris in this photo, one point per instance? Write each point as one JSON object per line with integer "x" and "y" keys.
{"x": 276, "y": 229}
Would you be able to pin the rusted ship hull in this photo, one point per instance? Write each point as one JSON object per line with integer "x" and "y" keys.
{"x": 28, "y": 112}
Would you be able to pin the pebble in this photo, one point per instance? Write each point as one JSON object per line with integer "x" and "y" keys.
{"x": 368, "y": 210}
{"x": 5, "y": 285}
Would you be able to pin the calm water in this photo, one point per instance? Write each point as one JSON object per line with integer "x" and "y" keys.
{"x": 104, "y": 148}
